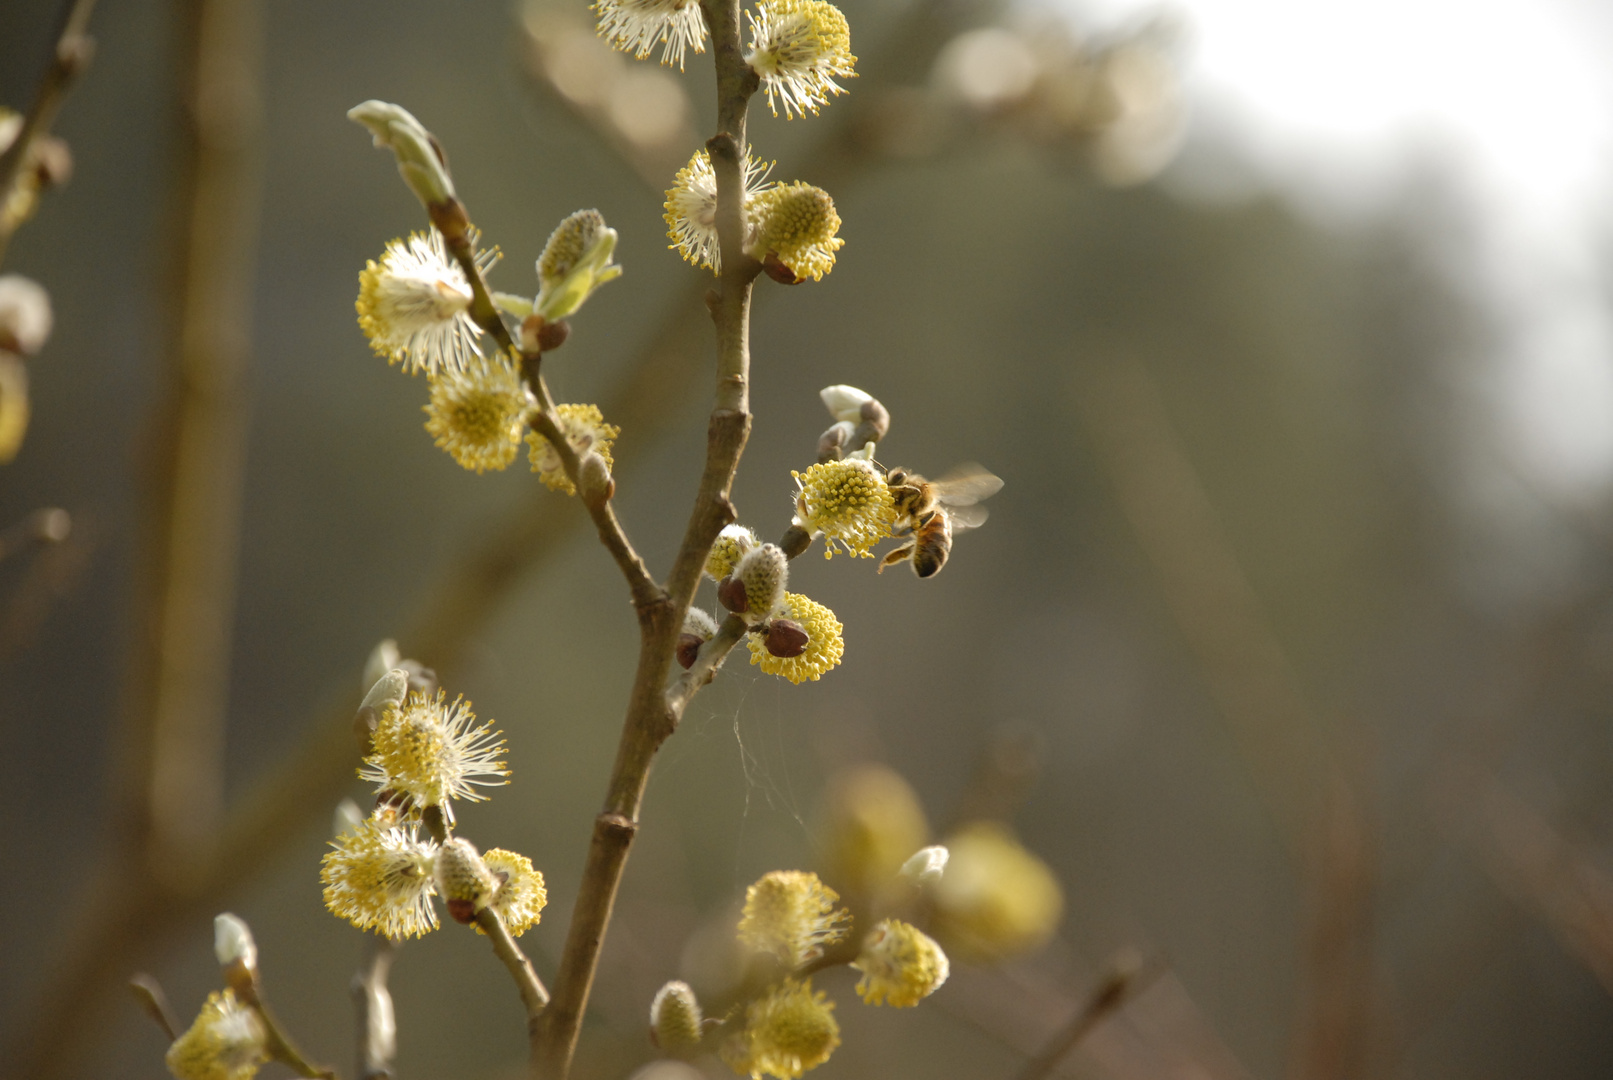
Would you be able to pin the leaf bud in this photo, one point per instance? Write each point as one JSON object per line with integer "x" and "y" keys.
{"x": 25, "y": 315}
{"x": 785, "y": 638}
{"x": 420, "y": 158}
{"x": 675, "y": 1020}
{"x": 575, "y": 262}
{"x": 463, "y": 879}
{"x": 233, "y": 944}
{"x": 873, "y": 425}
{"x": 763, "y": 573}
{"x": 387, "y": 693}
{"x": 845, "y": 403}
{"x": 926, "y": 865}
{"x": 383, "y": 658}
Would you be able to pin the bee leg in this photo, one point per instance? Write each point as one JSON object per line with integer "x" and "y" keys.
{"x": 896, "y": 555}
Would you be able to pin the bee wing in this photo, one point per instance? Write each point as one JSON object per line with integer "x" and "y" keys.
{"x": 966, "y": 484}
{"x": 967, "y": 517}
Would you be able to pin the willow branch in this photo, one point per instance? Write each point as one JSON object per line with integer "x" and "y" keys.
{"x": 533, "y": 993}
{"x": 1124, "y": 981}
{"x": 376, "y": 1023}
{"x": 74, "y": 49}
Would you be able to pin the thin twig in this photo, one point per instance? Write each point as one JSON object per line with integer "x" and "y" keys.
{"x": 534, "y": 995}
{"x": 1124, "y": 981}
{"x": 74, "y": 49}
{"x": 377, "y": 1029}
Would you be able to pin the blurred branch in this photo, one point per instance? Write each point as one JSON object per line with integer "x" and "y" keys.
{"x": 1124, "y": 980}
{"x": 74, "y": 49}
{"x": 375, "y": 1020}
{"x": 1243, "y": 664}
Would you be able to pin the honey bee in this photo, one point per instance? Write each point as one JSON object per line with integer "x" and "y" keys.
{"x": 932, "y": 510}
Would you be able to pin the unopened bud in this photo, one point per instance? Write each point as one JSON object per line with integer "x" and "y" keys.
{"x": 926, "y": 865}
{"x": 675, "y": 1021}
{"x": 575, "y": 262}
{"x": 25, "y": 316}
{"x": 420, "y": 158}
{"x": 594, "y": 479}
{"x": 698, "y": 628}
{"x": 874, "y": 423}
{"x": 383, "y": 658}
{"x": 540, "y": 335}
{"x": 764, "y": 572}
{"x": 463, "y": 879}
{"x": 233, "y": 944}
{"x": 731, "y": 591}
{"x": 785, "y": 638}
{"x": 832, "y": 443}
{"x": 52, "y": 162}
{"x": 347, "y": 818}
{"x": 844, "y": 402}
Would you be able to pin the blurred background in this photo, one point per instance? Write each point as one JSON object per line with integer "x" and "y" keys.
{"x": 1288, "y": 647}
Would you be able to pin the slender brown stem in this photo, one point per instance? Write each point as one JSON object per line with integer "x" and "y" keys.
{"x": 74, "y": 49}
{"x": 534, "y": 995}
{"x": 1124, "y": 981}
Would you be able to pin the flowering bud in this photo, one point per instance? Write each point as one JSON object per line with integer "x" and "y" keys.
{"x": 675, "y": 1021}
{"x": 901, "y": 965}
{"x": 594, "y": 478}
{"x": 785, "y": 638}
{"x": 764, "y": 572}
{"x": 25, "y": 316}
{"x": 575, "y": 262}
{"x": 233, "y": 944}
{"x": 731, "y": 545}
{"x": 420, "y": 159}
{"x": 927, "y": 865}
{"x": 463, "y": 879}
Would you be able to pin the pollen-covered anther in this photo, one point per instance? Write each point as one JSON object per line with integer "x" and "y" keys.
{"x": 788, "y": 1031}
{"x": 848, "y": 501}
{"x": 797, "y": 49}
{"x": 901, "y": 965}
{"x": 791, "y": 915}
{"x": 432, "y": 752}
{"x": 463, "y": 879}
{"x": 676, "y": 1026}
{"x": 228, "y": 1041}
{"x": 691, "y": 207}
{"x": 585, "y": 429}
{"x": 477, "y": 413}
{"x": 519, "y": 895}
{"x": 824, "y": 648}
{"x": 731, "y": 545}
{"x": 414, "y": 305}
{"x": 793, "y": 228}
{"x": 379, "y": 877}
{"x": 638, "y": 26}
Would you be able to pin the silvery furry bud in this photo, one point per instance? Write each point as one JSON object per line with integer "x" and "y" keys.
{"x": 764, "y": 572}
{"x": 388, "y": 692}
{"x": 926, "y": 865}
{"x": 463, "y": 879}
{"x": 874, "y": 424}
{"x": 845, "y": 403}
{"x": 420, "y": 158}
{"x": 675, "y": 1021}
{"x": 232, "y": 942}
{"x": 25, "y": 316}
{"x": 698, "y": 628}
